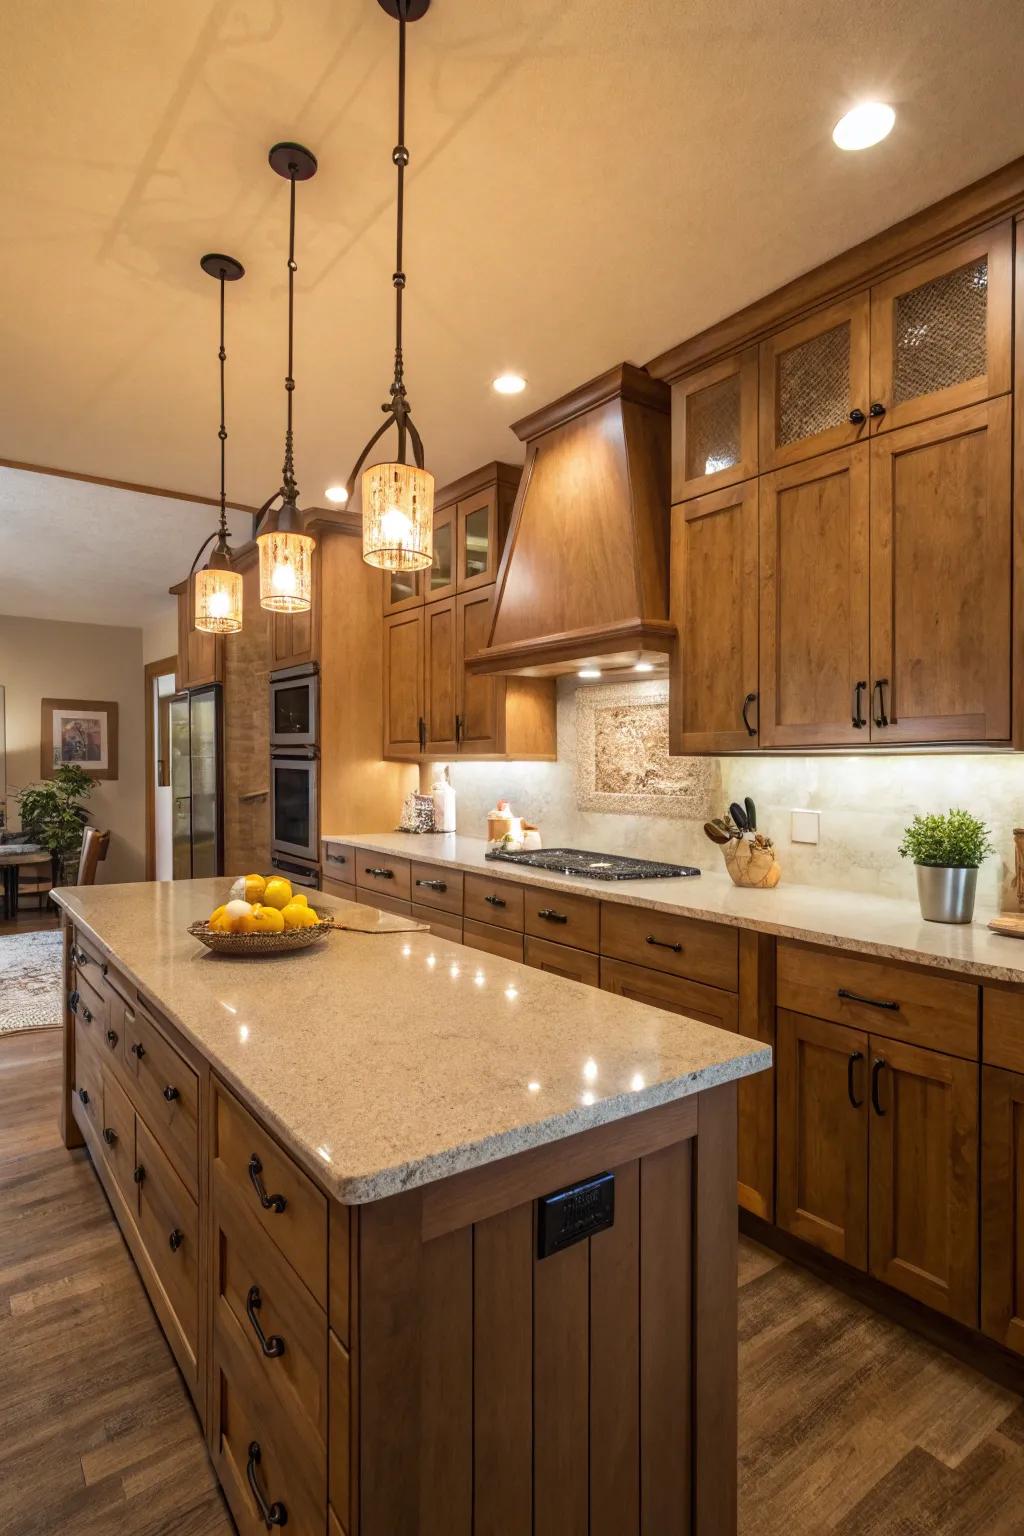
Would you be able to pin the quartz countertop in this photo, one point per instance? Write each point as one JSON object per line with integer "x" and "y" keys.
{"x": 852, "y": 920}
{"x": 392, "y": 1059}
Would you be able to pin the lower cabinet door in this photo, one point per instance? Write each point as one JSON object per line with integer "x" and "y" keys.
{"x": 563, "y": 960}
{"x": 822, "y": 1190}
{"x": 1002, "y": 1207}
{"x": 924, "y": 1172}
{"x": 169, "y": 1227}
{"x": 119, "y": 1138}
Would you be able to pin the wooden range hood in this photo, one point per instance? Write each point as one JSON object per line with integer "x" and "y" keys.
{"x": 584, "y": 574}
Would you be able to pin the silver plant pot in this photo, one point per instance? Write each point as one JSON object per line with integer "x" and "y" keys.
{"x": 946, "y": 895}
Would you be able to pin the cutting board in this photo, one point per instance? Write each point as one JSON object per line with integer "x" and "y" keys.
{"x": 1009, "y": 923}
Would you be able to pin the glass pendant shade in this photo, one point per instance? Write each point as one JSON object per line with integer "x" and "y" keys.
{"x": 286, "y": 571}
{"x": 218, "y": 601}
{"x": 398, "y": 517}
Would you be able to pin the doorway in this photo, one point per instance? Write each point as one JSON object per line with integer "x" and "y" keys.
{"x": 159, "y": 687}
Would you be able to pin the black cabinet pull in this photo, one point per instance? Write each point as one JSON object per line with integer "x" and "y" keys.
{"x": 876, "y": 1069}
{"x": 433, "y": 885}
{"x": 275, "y": 1203}
{"x": 273, "y": 1346}
{"x": 872, "y": 1002}
{"x": 676, "y": 949}
{"x": 877, "y": 409}
{"x": 751, "y": 698}
{"x": 270, "y": 1514}
{"x": 138, "y": 1050}
{"x": 175, "y": 1240}
{"x": 83, "y": 1095}
{"x": 80, "y": 957}
{"x": 858, "y": 715}
{"x": 459, "y": 727}
{"x": 496, "y": 901}
{"x": 138, "y": 1173}
{"x": 336, "y": 858}
{"x": 881, "y": 718}
{"x": 381, "y": 874}
{"x": 857, "y": 417}
{"x": 112, "y": 1038}
{"x": 109, "y": 1135}
{"x": 855, "y": 1056}
{"x": 171, "y": 1093}
{"x": 73, "y": 1001}
{"x": 422, "y": 726}
{"x": 84, "y": 1012}
{"x": 551, "y": 916}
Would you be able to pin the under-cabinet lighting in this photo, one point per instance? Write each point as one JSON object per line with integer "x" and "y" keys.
{"x": 866, "y": 124}
{"x": 644, "y": 666}
{"x": 589, "y": 673}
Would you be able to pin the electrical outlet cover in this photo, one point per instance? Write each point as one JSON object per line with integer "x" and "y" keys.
{"x": 803, "y": 826}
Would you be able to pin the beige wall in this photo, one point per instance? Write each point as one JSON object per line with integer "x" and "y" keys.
{"x": 160, "y": 635}
{"x": 43, "y": 659}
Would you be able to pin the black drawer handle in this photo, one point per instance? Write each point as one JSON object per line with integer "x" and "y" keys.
{"x": 112, "y": 1038}
{"x": 676, "y": 949}
{"x": 138, "y": 1050}
{"x": 433, "y": 885}
{"x": 551, "y": 916}
{"x": 171, "y": 1093}
{"x": 876, "y": 1071}
{"x": 272, "y": 1347}
{"x": 83, "y": 1095}
{"x": 270, "y": 1514}
{"x": 337, "y": 858}
{"x": 109, "y": 1135}
{"x": 274, "y": 1203}
{"x": 175, "y": 1240}
{"x": 379, "y": 873}
{"x": 496, "y": 901}
{"x": 872, "y": 1002}
{"x": 138, "y": 1173}
{"x": 855, "y": 1056}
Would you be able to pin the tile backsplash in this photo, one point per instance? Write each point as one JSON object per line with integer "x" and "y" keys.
{"x": 864, "y": 802}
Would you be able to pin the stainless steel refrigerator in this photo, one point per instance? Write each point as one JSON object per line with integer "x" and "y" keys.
{"x": 196, "y": 784}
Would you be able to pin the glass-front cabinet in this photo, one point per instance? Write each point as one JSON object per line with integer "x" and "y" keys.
{"x": 814, "y": 382}
{"x": 477, "y": 539}
{"x": 439, "y": 582}
{"x": 714, "y": 426}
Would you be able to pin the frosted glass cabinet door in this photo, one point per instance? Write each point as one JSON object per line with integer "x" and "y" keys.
{"x": 814, "y": 384}
{"x": 940, "y": 332}
{"x": 714, "y": 426}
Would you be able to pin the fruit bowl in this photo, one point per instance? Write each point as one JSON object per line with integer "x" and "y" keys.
{"x": 261, "y": 943}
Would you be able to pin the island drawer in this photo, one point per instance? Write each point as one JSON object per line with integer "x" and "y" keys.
{"x": 708, "y": 1005}
{"x": 1003, "y": 1028}
{"x": 88, "y": 1077}
{"x": 436, "y": 886}
{"x": 88, "y": 959}
{"x": 683, "y": 946}
{"x": 259, "y": 1297}
{"x": 441, "y": 924}
{"x": 165, "y": 1090}
{"x": 91, "y": 1010}
{"x": 563, "y": 917}
{"x": 169, "y": 1227}
{"x": 381, "y": 872}
{"x": 340, "y": 862}
{"x": 283, "y": 1200}
{"x": 901, "y": 1002}
{"x": 337, "y": 888}
{"x": 383, "y": 903}
{"x": 563, "y": 960}
{"x": 496, "y": 902}
{"x": 119, "y": 1138}
{"x": 494, "y": 941}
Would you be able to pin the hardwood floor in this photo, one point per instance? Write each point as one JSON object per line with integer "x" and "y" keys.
{"x": 848, "y": 1424}
{"x": 30, "y": 918}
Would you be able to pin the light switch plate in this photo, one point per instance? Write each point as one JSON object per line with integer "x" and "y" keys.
{"x": 803, "y": 826}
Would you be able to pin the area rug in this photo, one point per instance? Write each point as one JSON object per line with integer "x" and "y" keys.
{"x": 31, "y": 981}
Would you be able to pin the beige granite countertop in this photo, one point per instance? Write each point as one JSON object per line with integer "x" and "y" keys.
{"x": 872, "y": 925}
{"x": 389, "y": 1060}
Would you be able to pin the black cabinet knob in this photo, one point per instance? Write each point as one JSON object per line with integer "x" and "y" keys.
{"x": 109, "y": 1135}
{"x": 112, "y": 1038}
{"x": 175, "y": 1240}
{"x": 857, "y": 417}
{"x": 138, "y": 1050}
{"x": 83, "y": 1095}
{"x": 171, "y": 1093}
{"x": 138, "y": 1173}
{"x": 877, "y": 409}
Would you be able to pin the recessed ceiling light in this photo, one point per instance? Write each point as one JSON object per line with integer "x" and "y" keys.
{"x": 589, "y": 672}
{"x": 644, "y": 666}
{"x": 336, "y": 493}
{"x": 864, "y": 125}
{"x": 509, "y": 384}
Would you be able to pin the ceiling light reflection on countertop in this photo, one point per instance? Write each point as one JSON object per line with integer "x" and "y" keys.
{"x": 587, "y": 1098}
{"x": 590, "y": 1071}
{"x": 533, "y": 1087}
{"x": 866, "y": 124}
{"x": 508, "y": 384}
{"x": 511, "y": 992}
{"x": 636, "y": 1082}
{"x": 243, "y": 1032}
{"x": 431, "y": 961}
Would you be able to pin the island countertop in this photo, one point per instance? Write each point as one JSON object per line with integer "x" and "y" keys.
{"x": 885, "y": 926}
{"x": 389, "y": 1060}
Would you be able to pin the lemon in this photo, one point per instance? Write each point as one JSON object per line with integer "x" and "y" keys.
{"x": 261, "y": 920}
{"x": 249, "y": 888}
{"x": 278, "y": 892}
{"x": 299, "y": 914}
{"x": 298, "y": 899}
{"x": 219, "y": 921}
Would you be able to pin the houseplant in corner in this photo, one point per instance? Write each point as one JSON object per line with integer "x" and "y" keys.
{"x": 947, "y": 850}
{"x": 52, "y": 814}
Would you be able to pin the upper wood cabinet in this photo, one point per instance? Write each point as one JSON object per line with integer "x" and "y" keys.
{"x": 714, "y": 426}
{"x": 402, "y": 590}
{"x": 441, "y": 671}
{"x": 471, "y": 519}
{"x": 814, "y": 602}
{"x": 479, "y": 539}
{"x": 200, "y": 656}
{"x": 940, "y": 332}
{"x": 714, "y": 606}
{"x": 439, "y": 581}
{"x": 404, "y": 723}
{"x": 481, "y": 700}
{"x": 814, "y": 380}
{"x": 941, "y": 579}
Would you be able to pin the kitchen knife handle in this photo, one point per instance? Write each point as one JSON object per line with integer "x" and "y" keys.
{"x": 751, "y": 698}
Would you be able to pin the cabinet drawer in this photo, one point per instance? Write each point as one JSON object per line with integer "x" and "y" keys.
{"x": 380, "y": 872}
{"x": 284, "y": 1201}
{"x": 496, "y": 902}
{"x": 169, "y": 1226}
{"x": 338, "y": 888}
{"x": 683, "y": 946}
{"x": 341, "y": 1422}
{"x": 709, "y": 1005}
{"x": 383, "y": 903}
{"x": 495, "y": 941}
{"x": 88, "y": 1076}
{"x": 258, "y": 1295}
{"x": 898, "y": 1001}
{"x": 441, "y": 924}
{"x": 166, "y": 1092}
{"x": 119, "y": 1138}
{"x": 91, "y": 1009}
{"x": 563, "y": 918}
{"x": 435, "y": 886}
{"x": 88, "y": 960}
{"x": 563, "y": 960}
{"x": 1003, "y": 1028}
{"x": 339, "y": 862}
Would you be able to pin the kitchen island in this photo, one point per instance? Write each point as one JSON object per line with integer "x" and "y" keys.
{"x": 335, "y": 1171}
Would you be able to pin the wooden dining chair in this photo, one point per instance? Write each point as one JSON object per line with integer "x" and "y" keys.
{"x": 94, "y": 851}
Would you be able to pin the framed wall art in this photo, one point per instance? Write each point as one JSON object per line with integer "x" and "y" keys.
{"x": 79, "y": 731}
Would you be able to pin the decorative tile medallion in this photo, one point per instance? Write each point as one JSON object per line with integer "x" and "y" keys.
{"x": 622, "y": 760}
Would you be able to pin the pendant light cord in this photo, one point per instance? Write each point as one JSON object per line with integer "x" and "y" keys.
{"x": 222, "y": 432}
{"x": 289, "y": 489}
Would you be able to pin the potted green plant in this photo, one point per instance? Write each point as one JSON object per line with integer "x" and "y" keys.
{"x": 947, "y": 850}
{"x": 53, "y": 815}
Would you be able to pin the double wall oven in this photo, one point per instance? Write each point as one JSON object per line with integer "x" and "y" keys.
{"x": 294, "y": 773}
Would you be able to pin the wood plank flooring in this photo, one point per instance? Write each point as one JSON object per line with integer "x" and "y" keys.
{"x": 848, "y": 1424}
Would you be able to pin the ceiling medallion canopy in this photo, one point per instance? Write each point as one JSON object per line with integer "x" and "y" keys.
{"x": 217, "y": 598}
{"x": 286, "y": 549}
{"x": 398, "y": 498}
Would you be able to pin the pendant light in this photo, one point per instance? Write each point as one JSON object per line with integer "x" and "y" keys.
{"x": 398, "y": 498}
{"x": 217, "y": 599}
{"x": 286, "y": 549}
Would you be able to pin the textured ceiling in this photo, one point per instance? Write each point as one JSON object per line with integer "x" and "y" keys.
{"x": 591, "y": 180}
